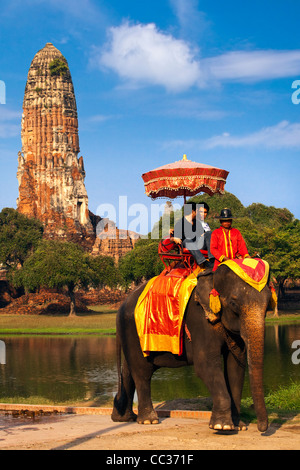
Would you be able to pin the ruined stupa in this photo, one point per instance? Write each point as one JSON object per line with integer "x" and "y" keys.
{"x": 50, "y": 173}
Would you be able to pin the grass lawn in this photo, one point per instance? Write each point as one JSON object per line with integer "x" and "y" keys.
{"x": 101, "y": 320}
{"x": 284, "y": 317}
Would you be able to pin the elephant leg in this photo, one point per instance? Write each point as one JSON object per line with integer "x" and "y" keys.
{"x": 210, "y": 370}
{"x": 146, "y": 412}
{"x": 234, "y": 376}
{"x": 122, "y": 410}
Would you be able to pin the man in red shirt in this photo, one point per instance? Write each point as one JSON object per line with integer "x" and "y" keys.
{"x": 227, "y": 242}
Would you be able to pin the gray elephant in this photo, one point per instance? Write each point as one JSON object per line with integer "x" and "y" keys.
{"x": 218, "y": 348}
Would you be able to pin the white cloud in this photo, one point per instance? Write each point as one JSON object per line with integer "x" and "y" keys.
{"x": 104, "y": 117}
{"x": 143, "y": 55}
{"x": 192, "y": 22}
{"x": 253, "y": 65}
{"x": 282, "y": 135}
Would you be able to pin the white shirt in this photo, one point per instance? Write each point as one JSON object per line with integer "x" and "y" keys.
{"x": 205, "y": 226}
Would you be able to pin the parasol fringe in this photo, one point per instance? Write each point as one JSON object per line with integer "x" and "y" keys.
{"x": 191, "y": 178}
{"x": 195, "y": 191}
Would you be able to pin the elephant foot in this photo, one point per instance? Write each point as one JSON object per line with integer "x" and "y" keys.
{"x": 262, "y": 425}
{"x": 241, "y": 426}
{"x": 221, "y": 424}
{"x": 151, "y": 418}
{"x": 128, "y": 416}
{"x": 222, "y": 427}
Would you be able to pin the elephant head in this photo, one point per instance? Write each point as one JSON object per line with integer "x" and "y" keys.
{"x": 243, "y": 310}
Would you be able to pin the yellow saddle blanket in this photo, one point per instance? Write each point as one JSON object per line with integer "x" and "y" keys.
{"x": 160, "y": 310}
{"x": 254, "y": 271}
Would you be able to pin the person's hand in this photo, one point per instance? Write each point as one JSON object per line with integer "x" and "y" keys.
{"x": 178, "y": 241}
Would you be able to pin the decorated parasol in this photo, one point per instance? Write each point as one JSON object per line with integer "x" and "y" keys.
{"x": 184, "y": 178}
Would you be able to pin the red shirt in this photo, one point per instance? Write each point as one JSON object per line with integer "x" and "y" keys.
{"x": 227, "y": 243}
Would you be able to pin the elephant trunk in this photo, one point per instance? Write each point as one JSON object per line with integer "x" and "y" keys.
{"x": 253, "y": 333}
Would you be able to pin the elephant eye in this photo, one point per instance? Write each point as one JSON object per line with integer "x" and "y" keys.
{"x": 234, "y": 306}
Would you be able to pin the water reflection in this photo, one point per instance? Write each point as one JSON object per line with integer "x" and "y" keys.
{"x": 59, "y": 369}
{"x": 279, "y": 368}
{"x": 64, "y": 369}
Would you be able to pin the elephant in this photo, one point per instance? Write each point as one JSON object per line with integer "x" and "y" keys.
{"x": 217, "y": 346}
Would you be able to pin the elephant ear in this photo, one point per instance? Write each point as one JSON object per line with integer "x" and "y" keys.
{"x": 202, "y": 297}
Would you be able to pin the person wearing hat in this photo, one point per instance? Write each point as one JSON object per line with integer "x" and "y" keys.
{"x": 227, "y": 242}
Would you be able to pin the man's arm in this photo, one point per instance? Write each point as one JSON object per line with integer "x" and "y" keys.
{"x": 217, "y": 246}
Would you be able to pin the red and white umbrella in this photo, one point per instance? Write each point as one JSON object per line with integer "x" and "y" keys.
{"x": 184, "y": 178}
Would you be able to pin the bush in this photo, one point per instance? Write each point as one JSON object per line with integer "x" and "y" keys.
{"x": 58, "y": 67}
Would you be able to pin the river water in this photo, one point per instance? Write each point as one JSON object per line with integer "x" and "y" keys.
{"x": 75, "y": 369}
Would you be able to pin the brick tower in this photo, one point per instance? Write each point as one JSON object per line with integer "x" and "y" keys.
{"x": 50, "y": 174}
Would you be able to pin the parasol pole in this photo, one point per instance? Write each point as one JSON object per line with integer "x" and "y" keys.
{"x": 184, "y": 194}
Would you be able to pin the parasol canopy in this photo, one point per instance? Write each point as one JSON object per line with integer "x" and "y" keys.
{"x": 184, "y": 178}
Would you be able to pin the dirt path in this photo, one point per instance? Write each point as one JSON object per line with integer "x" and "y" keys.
{"x": 98, "y": 432}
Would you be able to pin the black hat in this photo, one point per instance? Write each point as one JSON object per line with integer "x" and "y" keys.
{"x": 225, "y": 214}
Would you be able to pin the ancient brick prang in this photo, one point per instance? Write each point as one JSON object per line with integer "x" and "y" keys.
{"x": 50, "y": 174}
{"x": 114, "y": 242}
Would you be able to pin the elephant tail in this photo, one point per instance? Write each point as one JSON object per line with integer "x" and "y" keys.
{"x": 119, "y": 361}
{"x": 119, "y": 407}
{"x": 122, "y": 410}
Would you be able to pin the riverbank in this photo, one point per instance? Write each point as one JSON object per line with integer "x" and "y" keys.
{"x": 99, "y": 320}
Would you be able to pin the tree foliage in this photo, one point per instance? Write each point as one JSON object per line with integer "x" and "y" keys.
{"x": 282, "y": 251}
{"x": 268, "y": 216}
{"x": 57, "y": 264}
{"x": 106, "y": 273}
{"x": 141, "y": 263}
{"x": 19, "y": 235}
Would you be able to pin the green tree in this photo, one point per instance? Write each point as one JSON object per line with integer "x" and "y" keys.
{"x": 268, "y": 216}
{"x": 56, "y": 264}
{"x": 142, "y": 263}
{"x": 106, "y": 273}
{"x": 19, "y": 235}
{"x": 282, "y": 251}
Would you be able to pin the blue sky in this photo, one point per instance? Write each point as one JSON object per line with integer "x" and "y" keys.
{"x": 158, "y": 79}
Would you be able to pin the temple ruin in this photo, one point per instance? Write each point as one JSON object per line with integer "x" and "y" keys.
{"x": 50, "y": 172}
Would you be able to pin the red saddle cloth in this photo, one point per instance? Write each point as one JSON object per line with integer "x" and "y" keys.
{"x": 160, "y": 310}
